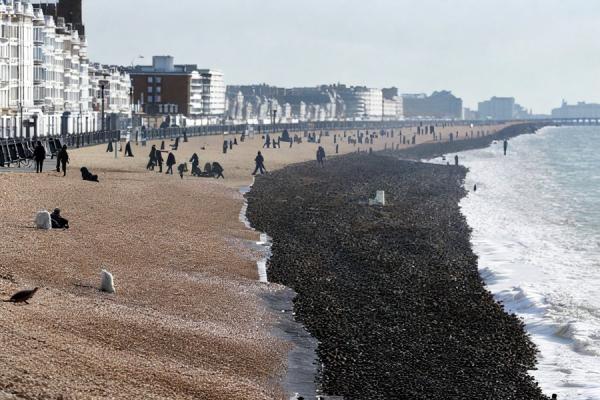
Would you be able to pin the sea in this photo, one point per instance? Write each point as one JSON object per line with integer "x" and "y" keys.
{"x": 535, "y": 217}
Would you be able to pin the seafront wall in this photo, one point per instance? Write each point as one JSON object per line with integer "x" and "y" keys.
{"x": 392, "y": 293}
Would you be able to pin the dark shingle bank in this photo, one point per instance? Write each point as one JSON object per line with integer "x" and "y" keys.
{"x": 392, "y": 294}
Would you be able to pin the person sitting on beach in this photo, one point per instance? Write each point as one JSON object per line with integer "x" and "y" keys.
{"x": 208, "y": 170}
{"x": 217, "y": 170}
{"x": 86, "y": 175}
{"x": 195, "y": 160}
{"x": 260, "y": 164}
{"x": 152, "y": 160}
{"x": 170, "y": 162}
{"x": 58, "y": 222}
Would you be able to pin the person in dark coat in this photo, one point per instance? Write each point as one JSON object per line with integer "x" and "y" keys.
{"x": 170, "y": 162}
{"x": 267, "y": 142}
{"x": 505, "y": 146}
{"x": 159, "y": 160}
{"x": 321, "y": 156}
{"x": 62, "y": 159}
{"x": 260, "y": 164}
{"x": 128, "y": 152}
{"x": 58, "y": 222}
{"x": 217, "y": 170}
{"x": 195, "y": 160}
{"x": 86, "y": 175}
{"x": 152, "y": 158}
{"x": 456, "y": 160}
{"x": 39, "y": 155}
{"x": 181, "y": 169}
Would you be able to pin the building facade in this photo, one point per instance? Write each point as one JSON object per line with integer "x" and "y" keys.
{"x": 46, "y": 84}
{"x": 497, "y": 108}
{"x": 579, "y": 110}
{"x": 442, "y": 104}
{"x": 167, "y": 88}
{"x": 321, "y": 103}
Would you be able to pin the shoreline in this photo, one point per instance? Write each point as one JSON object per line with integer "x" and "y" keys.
{"x": 520, "y": 275}
{"x": 298, "y": 262}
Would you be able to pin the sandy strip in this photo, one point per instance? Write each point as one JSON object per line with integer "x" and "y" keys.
{"x": 187, "y": 321}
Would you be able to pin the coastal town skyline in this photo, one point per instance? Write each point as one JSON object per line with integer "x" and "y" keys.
{"x": 418, "y": 49}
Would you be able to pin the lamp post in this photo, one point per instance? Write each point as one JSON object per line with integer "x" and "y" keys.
{"x": 102, "y": 106}
{"x": 133, "y": 113}
{"x": 21, "y": 124}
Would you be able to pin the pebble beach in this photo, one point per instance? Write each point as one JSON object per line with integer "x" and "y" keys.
{"x": 188, "y": 319}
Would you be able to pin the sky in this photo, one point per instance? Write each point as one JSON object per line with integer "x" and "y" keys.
{"x": 538, "y": 51}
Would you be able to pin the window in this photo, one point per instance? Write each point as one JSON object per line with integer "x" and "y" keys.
{"x": 150, "y": 99}
{"x": 149, "y": 89}
{"x": 150, "y": 79}
{"x": 158, "y": 99}
{"x": 158, "y": 79}
{"x": 158, "y": 89}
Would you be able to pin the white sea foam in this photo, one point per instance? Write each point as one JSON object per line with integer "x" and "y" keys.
{"x": 536, "y": 229}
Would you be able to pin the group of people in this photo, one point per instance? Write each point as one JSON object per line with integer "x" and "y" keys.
{"x": 39, "y": 156}
{"x": 156, "y": 160}
{"x": 210, "y": 170}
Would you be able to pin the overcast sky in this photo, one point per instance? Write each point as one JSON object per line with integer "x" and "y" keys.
{"x": 539, "y": 51}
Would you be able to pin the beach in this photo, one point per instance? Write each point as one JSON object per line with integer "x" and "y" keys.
{"x": 189, "y": 318}
{"x": 392, "y": 293}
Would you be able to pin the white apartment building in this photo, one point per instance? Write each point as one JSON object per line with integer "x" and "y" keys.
{"x": 207, "y": 93}
{"x": 45, "y": 76}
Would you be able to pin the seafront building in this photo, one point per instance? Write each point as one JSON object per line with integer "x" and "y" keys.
{"x": 442, "y": 104}
{"x": 497, "y": 108}
{"x": 262, "y": 103}
{"x": 166, "y": 88}
{"x": 46, "y": 84}
{"x": 579, "y": 110}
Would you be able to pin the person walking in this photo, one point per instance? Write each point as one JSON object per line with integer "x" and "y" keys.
{"x": 62, "y": 159}
{"x": 505, "y": 146}
{"x": 159, "y": 160}
{"x": 217, "y": 170}
{"x": 260, "y": 164}
{"x": 152, "y": 159}
{"x": 170, "y": 162}
{"x": 321, "y": 156}
{"x": 456, "y": 160}
{"x": 39, "y": 155}
{"x": 128, "y": 152}
{"x": 267, "y": 142}
{"x": 195, "y": 160}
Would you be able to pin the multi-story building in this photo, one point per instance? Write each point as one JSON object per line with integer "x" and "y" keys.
{"x": 579, "y": 110}
{"x": 442, "y": 104}
{"x": 166, "y": 88}
{"x": 46, "y": 86}
{"x": 321, "y": 103}
{"x": 497, "y": 108}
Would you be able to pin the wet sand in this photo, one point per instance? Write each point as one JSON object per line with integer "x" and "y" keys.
{"x": 188, "y": 319}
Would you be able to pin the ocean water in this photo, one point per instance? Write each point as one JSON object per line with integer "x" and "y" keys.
{"x": 536, "y": 229}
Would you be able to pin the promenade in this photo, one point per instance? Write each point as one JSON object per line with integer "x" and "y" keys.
{"x": 187, "y": 320}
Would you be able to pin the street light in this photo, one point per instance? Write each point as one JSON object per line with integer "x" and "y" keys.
{"x": 102, "y": 105}
{"x": 21, "y": 112}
